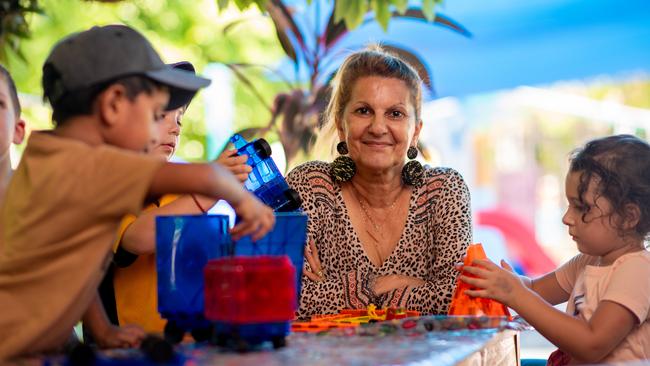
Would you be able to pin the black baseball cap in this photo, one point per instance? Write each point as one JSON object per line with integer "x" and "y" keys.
{"x": 188, "y": 95}
{"x": 102, "y": 54}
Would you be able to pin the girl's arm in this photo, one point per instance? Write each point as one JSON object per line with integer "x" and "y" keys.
{"x": 549, "y": 289}
{"x": 585, "y": 341}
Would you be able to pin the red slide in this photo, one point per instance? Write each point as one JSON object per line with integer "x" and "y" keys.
{"x": 520, "y": 240}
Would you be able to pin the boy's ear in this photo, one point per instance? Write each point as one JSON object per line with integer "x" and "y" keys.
{"x": 110, "y": 103}
{"x": 19, "y": 132}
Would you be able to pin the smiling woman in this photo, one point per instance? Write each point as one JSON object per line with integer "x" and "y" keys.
{"x": 381, "y": 231}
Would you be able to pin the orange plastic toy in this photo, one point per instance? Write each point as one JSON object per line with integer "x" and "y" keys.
{"x": 462, "y": 304}
{"x": 348, "y": 318}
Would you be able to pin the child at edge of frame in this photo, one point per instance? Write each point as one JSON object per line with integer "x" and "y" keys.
{"x": 607, "y": 285}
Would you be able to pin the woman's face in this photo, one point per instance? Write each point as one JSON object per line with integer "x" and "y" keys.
{"x": 379, "y": 123}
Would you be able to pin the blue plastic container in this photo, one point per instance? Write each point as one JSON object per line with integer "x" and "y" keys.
{"x": 184, "y": 244}
{"x": 266, "y": 180}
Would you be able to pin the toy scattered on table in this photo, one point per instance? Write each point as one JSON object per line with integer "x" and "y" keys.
{"x": 185, "y": 244}
{"x": 419, "y": 325}
{"x": 250, "y": 300}
{"x": 347, "y": 318}
{"x": 265, "y": 180}
{"x": 462, "y": 304}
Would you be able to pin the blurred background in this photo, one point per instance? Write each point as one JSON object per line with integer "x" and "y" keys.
{"x": 512, "y": 87}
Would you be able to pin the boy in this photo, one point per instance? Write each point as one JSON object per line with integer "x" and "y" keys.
{"x": 107, "y": 86}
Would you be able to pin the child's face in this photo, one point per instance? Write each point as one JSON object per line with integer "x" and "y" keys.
{"x": 135, "y": 122}
{"x": 169, "y": 130}
{"x": 596, "y": 235}
{"x": 11, "y": 127}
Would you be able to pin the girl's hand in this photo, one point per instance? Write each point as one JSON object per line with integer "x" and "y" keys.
{"x": 384, "y": 284}
{"x": 492, "y": 281}
{"x": 317, "y": 273}
{"x": 256, "y": 218}
{"x": 235, "y": 164}
{"x": 128, "y": 336}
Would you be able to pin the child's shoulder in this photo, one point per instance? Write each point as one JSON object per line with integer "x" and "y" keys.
{"x": 641, "y": 257}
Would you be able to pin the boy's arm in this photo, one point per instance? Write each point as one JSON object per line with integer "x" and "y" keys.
{"x": 140, "y": 236}
{"x": 586, "y": 341}
{"x": 211, "y": 180}
{"x": 106, "y": 334}
{"x": 217, "y": 182}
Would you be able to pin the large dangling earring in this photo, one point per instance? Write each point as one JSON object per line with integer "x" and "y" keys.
{"x": 342, "y": 169}
{"x": 412, "y": 172}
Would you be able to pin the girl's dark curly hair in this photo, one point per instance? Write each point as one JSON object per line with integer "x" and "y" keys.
{"x": 621, "y": 163}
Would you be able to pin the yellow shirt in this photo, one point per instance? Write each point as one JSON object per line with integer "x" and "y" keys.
{"x": 61, "y": 210}
{"x": 135, "y": 286}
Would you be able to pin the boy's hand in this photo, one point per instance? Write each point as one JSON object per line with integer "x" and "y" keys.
{"x": 493, "y": 282}
{"x": 128, "y": 336}
{"x": 256, "y": 218}
{"x": 235, "y": 164}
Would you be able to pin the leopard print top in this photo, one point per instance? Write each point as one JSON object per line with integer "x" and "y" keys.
{"x": 435, "y": 237}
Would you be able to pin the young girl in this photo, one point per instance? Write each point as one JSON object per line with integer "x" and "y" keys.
{"x": 607, "y": 285}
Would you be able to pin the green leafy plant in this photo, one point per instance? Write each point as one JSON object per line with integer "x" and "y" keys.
{"x": 296, "y": 113}
{"x": 13, "y": 24}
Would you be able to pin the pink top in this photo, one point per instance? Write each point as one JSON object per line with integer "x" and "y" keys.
{"x": 625, "y": 282}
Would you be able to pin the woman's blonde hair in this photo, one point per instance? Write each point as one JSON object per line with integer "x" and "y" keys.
{"x": 372, "y": 61}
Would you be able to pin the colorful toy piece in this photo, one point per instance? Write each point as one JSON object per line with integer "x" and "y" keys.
{"x": 351, "y": 318}
{"x": 266, "y": 181}
{"x": 462, "y": 304}
{"x": 250, "y": 299}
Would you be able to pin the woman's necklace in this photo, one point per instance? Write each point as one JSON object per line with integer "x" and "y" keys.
{"x": 369, "y": 219}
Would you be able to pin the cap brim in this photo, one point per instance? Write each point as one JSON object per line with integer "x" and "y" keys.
{"x": 182, "y": 85}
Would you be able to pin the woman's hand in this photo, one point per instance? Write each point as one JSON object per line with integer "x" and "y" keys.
{"x": 256, "y": 218}
{"x": 236, "y": 164}
{"x": 493, "y": 282}
{"x": 128, "y": 336}
{"x": 317, "y": 274}
{"x": 384, "y": 284}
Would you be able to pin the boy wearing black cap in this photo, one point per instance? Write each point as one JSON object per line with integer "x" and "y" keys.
{"x": 107, "y": 86}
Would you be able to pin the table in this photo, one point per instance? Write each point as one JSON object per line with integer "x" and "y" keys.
{"x": 428, "y": 340}
{"x": 371, "y": 345}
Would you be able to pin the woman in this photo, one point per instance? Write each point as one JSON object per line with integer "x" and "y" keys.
{"x": 381, "y": 231}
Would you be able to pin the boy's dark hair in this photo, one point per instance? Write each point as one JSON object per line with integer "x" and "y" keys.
{"x": 80, "y": 102}
{"x": 622, "y": 164}
{"x": 13, "y": 92}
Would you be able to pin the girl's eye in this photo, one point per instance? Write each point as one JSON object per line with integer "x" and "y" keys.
{"x": 580, "y": 207}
